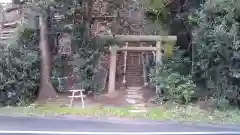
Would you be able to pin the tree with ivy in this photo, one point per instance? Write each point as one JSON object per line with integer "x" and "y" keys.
{"x": 87, "y": 48}
{"x": 49, "y": 29}
{"x": 46, "y": 89}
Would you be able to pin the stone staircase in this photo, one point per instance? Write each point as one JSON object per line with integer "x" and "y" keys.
{"x": 9, "y": 23}
{"x": 134, "y": 71}
{"x": 135, "y": 81}
{"x": 14, "y": 16}
{"x": 134, "y": 96}
{"x": 6, "y": 34}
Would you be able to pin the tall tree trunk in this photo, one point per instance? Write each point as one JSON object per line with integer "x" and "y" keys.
{"x": 16, "y": 1}
{"x": 88, "y": 17}
{"x": 2, "y": 16}
{"x": 46, "y": 88}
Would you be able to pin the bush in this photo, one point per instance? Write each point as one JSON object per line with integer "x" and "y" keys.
{"x": 20, "y": 70}
{"x": 174, "y": 85}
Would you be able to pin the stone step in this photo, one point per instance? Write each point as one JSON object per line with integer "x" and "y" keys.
{"x": 137, "y": 71}
{"x": 137, "y": 68}
{"x": 134, "y": 96}
{"x": 134, "y": 79}
{"x": 130, "y": 64}
{"x": 134, "y": 83}
{"x": 140, "y": 105}
{"x": 133, "y": 92}
{"x": 5, "y": 38}
{"x": 134, "y": 101}
{"x": 134, "y": 69}
{"x": 137, "y": 80}
{"x": 138, "y": 83}
{"x": 133, "y": 75}
{"x": 137, "y": 111}
{"x": 131, "y": 101}
{"x": 8, "y": 31}
{"x": 137, "y": 64}
{"x": 133, "y": 66}
{"x": 133, "y": 88}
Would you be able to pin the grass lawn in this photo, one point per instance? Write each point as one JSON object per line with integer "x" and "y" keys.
{"x": 166, "y": 112}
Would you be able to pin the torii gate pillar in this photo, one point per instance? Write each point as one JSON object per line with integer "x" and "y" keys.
{"x": 112, "y": 70}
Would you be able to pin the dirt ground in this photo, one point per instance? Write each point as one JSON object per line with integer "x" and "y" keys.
{"x": 119, "y": 100}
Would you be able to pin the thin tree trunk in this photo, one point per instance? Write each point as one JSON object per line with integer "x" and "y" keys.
{"x": 46, "y": 88}
{"x": 194, "y": 52}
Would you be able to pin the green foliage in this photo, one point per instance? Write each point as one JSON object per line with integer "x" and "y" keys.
{"x": 84, "y": 62}
{"x": 159, "y": 10}
{"x": 174, "y": 85}
{"x": 88, "y": 53}
{"x": 58, "y": 67}
{"x": 178, "y": 62}
{"x": 223, "y": 104}
{"x": 216, "y": 36}
{"x": 19, "y": 70}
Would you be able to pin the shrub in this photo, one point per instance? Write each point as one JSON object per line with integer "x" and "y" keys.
{"x": 174, "y": 85}
{"x": 20, "y": 70}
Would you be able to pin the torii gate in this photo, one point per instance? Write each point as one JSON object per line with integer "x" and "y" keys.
{"x": 133, "y": 38}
